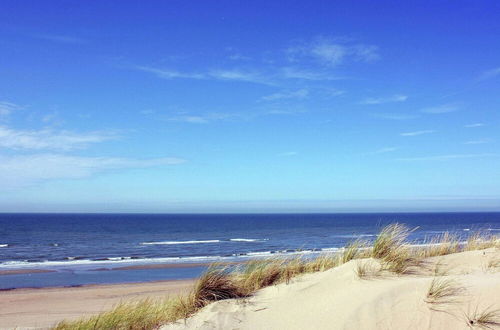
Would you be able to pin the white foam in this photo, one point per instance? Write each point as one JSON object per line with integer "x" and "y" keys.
{"x": 4, "y": 245}
{"x": 181, "y": 242}
{"x": 249, "y": 239}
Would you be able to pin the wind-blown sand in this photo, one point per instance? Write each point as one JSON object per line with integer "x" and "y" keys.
{"x": 339, "y": 299}
{"x": 42, "y": 308}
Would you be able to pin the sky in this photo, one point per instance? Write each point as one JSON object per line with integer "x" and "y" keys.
{"x": 249, "y": 106}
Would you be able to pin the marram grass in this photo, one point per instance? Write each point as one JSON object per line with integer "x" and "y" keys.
{"x": 219, "y": 282}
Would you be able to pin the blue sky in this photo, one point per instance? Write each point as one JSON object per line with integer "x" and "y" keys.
{"x": 249, "y": 106}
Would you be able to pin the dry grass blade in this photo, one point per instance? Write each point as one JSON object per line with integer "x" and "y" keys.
{"x": 488, "y": 318}
{"x": 443, "y": 290}
{"x": 216, "y": 284}
{"x": 366, "y": 269}
{"x": 390, "y": 239}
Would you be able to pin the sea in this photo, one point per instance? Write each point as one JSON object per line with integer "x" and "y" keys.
{"x": 58, "y": 250}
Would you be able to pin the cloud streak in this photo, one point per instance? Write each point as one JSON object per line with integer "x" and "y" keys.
{"x": 7, "y": 108}
{"x": 416, "y": 133}
{"x": 489, "y": 74}
{"x": 448, "y": 157}
{"x": 47, "y": 139}
{"x": 445, "y": 108}
{"x": 382, "y": 100}
{"x": 332, "y": 52}
{"x": 23, "y": 170}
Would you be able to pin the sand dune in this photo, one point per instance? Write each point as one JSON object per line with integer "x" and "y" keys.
{"x": 340, "y": 299}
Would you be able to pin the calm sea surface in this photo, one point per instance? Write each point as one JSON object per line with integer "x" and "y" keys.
{"x": 77, "y": 247}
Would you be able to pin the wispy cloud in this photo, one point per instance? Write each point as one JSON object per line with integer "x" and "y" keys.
{"x": 333, "y": 52}
{"x": 224, "y": 75}
{"x": 288, "y": 154}
{"x": 6, "y": 108}
{"x": 416, "y": 133}
{"x": 444, "y": 108}
{"x": 478, "y": 141}
{"x": 395, "y": 116}
{"x": 48, "y": 139}
{"x": 448, "y": 157}
{"x": 388, "y": 99}
{"x": 25, "y": 170}
{"x": 207, "y": 117}
{"x": 474, "y": 125}
{"x": 170, "y": 74}
{"x": 290, "y": 72}
{"x": 489, "y": 74}
{"x": 297, "y": 94}
{"x": 61, "y": 38}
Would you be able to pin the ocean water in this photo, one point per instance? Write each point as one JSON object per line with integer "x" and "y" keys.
{"x": 81, "y": 248}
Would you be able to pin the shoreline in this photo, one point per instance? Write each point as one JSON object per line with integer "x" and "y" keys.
{"x": 27, "y": 307}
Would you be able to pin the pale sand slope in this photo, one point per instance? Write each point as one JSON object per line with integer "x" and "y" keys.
{"x": 42, "y": 308}
{"x": 339, "y": 299}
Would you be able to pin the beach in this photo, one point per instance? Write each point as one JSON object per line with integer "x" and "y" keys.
{"x": 44, "y": 307}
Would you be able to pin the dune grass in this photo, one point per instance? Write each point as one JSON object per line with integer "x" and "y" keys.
{"x": 221, "y": 282}
{"x": 488, "y": 318}
{"x": 443, "y": 290}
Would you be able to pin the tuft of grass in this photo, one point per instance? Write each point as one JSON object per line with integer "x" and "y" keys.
{"x": 488, "y": 318}
{"x": 441, "y": 245}
{"x": 494, "y": 263}
{"x": 481, "y": 240}
{"x": 144, "y": 314}
{"x": 365, "y": 269}
{"x": 390, "y": 240}
{"x": 443, "y": 290}
{"x": 215, "y": 284}
{"x": 391, "y": 248}
{"x": 353, "y": 250}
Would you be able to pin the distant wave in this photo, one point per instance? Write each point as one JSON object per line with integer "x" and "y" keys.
{"x": 4, "y": 245}
{"x": 181, "y": 242}
{"x": 249, "y": 239}
{"x": 206, "y": 241}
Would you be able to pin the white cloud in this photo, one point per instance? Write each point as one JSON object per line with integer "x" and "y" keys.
{"x": 381, "y": 100}
{"x": 445, "y": 108}
{"x": 479, "y": 141}
{"x": 474, "y": 125}
{"x": 206, "y": 118}
{"x": 489, "y": 74}
{"x": 170, "y": 74}
{"x": 22, "y": 170}
{"x": 298, "y": 94}
{"x": 6, "y": 108}
{"x": 331, "y": 52}
{"x": 395, "y": 116}
{"x": 224, "y": 75}
{"x": 415, "y": 133}
{"x": 49, "y": 139}
{"x": 448, "y": 157}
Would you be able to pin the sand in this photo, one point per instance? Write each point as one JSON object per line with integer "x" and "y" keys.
{"x": 339, "y": 299}
{"x": 41, "y": 308}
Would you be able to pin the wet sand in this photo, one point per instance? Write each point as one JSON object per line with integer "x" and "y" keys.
{"x": 42, "y": 308}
